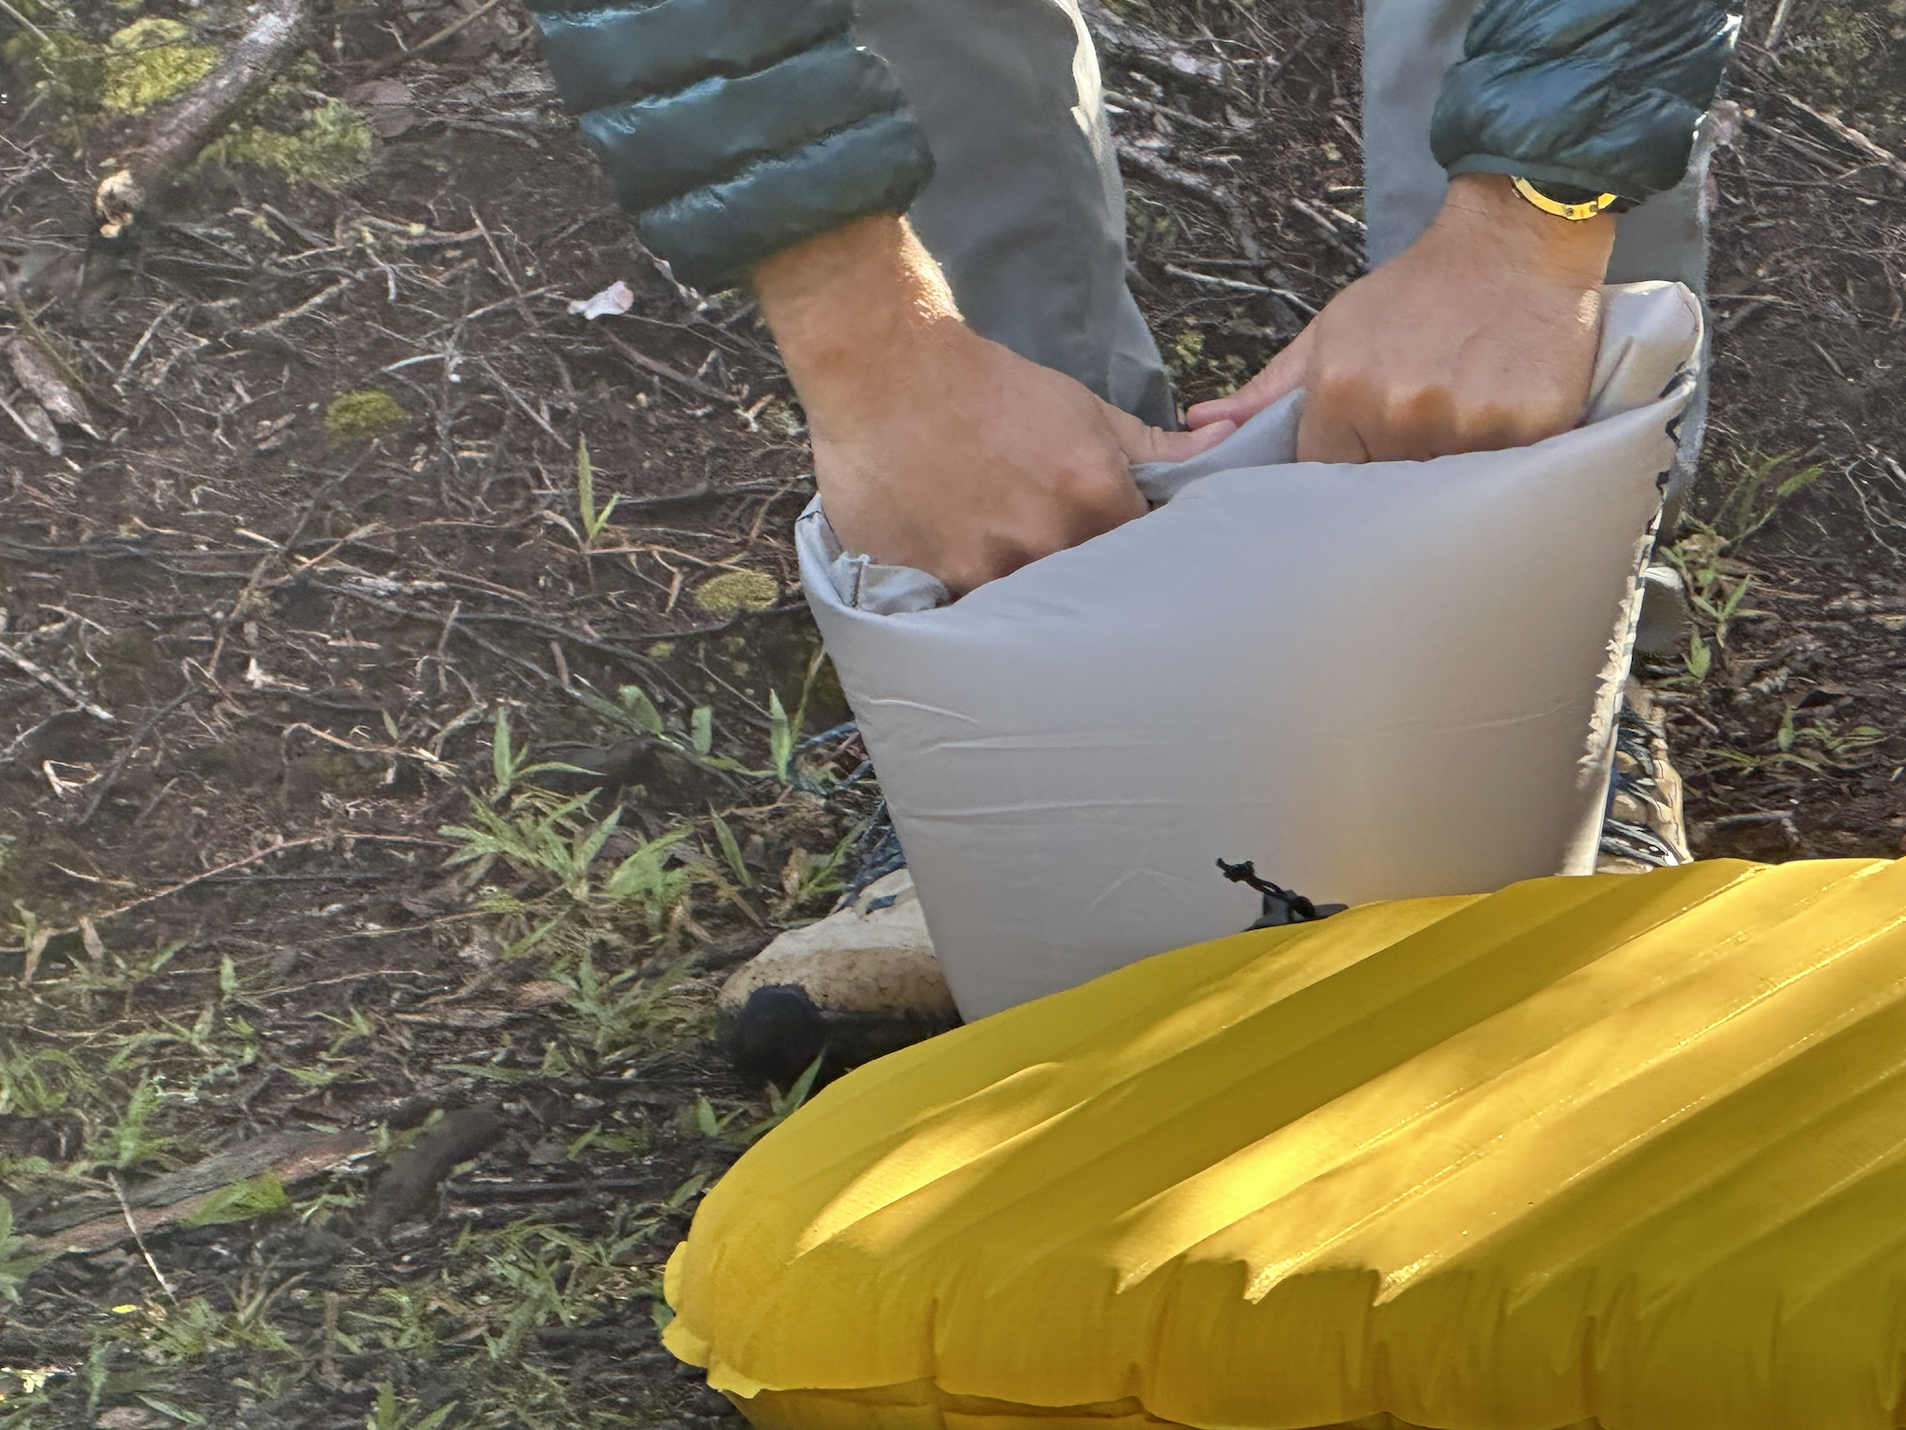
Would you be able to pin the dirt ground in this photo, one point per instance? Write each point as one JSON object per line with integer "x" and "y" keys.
{"x": 354, "y": 1070}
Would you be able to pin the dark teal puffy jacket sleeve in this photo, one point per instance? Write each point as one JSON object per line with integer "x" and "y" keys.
{"x": 1602, "y": 95}
{"x": 732, "y": 129}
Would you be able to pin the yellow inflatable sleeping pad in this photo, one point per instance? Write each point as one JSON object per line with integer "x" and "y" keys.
{"x": 1628, "y": 1149}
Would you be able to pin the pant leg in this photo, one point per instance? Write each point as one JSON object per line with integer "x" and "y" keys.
{"x": 1026, "y": 210}
{"x": 1407, "y": 45}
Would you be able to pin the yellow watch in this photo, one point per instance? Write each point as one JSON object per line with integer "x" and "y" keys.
{"x": 1578, "y": 211}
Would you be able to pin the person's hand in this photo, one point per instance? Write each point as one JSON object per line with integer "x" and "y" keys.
{"x": 933, "y": 447}
{"x": 1481, "y": 335}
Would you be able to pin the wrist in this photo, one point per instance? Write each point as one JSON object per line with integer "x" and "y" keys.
{"x": 1485, "y": 214}
{"x": 842, "y": 305}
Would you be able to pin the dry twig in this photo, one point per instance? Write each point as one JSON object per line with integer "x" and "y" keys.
{"x": 54, "y": 683}
{"x": 1851, "y": 137}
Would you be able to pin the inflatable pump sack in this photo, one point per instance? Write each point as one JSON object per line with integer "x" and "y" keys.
{"x": 1374, "y": 681}
{"x": 1620, "y": 1152}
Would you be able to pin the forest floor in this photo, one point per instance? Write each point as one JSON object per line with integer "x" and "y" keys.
{"x": 356, "y": 1071}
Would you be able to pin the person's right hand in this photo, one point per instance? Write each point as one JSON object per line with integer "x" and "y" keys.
{"x": 1481, "y": 335}
{"x": 933, "y": 447}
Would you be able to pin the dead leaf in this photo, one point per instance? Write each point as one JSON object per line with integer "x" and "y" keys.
{"x": 618, "y": 297}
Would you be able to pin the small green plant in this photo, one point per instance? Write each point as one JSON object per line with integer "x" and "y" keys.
{"x": 808, "y": 876}
{"x": 550, "y": 842}
{"x": 700, "y": 1116}
{"x": 1749, "y": 491}
{"x": 632, "y": 712}
{"x": 735, "y": 1126}
{"x": 538, "y": 1272}
{"x": 559, "y": 846}
{"x": 18, "y": 1259}
{"x": 35, "y": 1083}
{"x": 1815, "y": 747}
{"x": 1700, "y": 657}
{"x": 608, "y": 1018}
{"x": 410, "y": 1326}
{"x": 389, "y": 1414}
{"x": 1717, "y": 588}
{"x": 783, "y": 1105}
{"x": 593, "y": 521}
{"x": 510, "y": 764}
{"x": 263, "y": 1195}
{"x": 191, "y": 1329}
{"x": 730, "y": 850}
{"x": 784, "y": 730}
{"x": 127, "y": 1143}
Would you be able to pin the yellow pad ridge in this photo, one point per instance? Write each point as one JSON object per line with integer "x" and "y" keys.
{"x": 1623, "y": 1149}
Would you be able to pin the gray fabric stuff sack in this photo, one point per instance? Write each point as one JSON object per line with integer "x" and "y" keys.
{"x": 1376, "y": 682}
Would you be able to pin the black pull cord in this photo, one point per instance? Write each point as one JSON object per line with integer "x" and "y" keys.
{"x": 1281, "y": 906}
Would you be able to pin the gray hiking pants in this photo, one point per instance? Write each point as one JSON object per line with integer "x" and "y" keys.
{"x": 1026, "y": 211}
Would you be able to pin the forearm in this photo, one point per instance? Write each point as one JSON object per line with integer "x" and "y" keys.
{"x": 845, "y": 307}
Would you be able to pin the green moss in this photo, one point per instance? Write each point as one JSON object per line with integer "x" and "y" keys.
{"x": 147, "y": 63}
{"x": 734, "y": 591}
{"x": 361, "y": 416}
{"x": 154, "y": 60}
{"x": 1849, "y": 60}
{"x": 331, "y": 144}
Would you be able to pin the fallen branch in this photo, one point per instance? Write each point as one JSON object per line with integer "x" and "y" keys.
{"x": 1155, "y": 167}
{"x": 1160, "y": 111}
{"x": 1851, "y": 137}
{"x": 55, "y": 684}
{"x": 103, "y": 786}
{"x": 662, "y": 369}
{"x": 396, "y": 61}
{"x": 279, "y": 30}
{"x": 89, "y": 1224}
{"x": 1140, "y": 48}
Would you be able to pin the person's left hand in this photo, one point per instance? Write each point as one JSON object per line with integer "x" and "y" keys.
{"x": 1482, "y": 335}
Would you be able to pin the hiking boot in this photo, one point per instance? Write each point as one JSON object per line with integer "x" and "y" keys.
{"x": 860, "y": 983}
{"x": 1644, "y": 827}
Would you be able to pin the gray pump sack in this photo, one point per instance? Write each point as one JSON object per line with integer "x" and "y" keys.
{"x": 1375, "y": 682}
